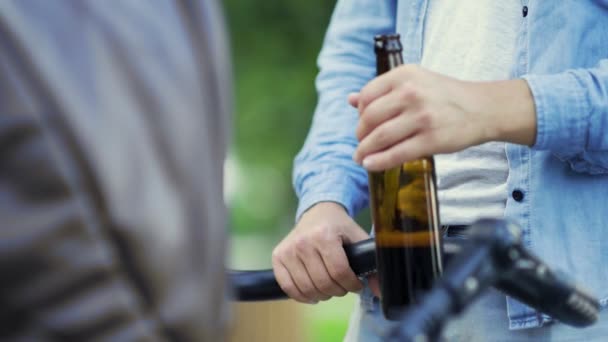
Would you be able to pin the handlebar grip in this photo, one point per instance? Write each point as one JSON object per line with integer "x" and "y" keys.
{"x": 253, "y": 286}
{"x": 261, "y": 285}
{"x": 362, "y": 257}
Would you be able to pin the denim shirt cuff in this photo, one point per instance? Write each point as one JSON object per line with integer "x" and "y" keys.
{"x": 347, "y": 187}
{"x": 308, "y": 201}
{"x": 560, "y": 112}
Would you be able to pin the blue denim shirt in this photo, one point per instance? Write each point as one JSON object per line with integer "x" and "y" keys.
{"x": 562, "y": 52}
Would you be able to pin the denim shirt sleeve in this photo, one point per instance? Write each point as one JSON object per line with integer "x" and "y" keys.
{"x": 572, "y": 116}
{"x": 324, "y": 169}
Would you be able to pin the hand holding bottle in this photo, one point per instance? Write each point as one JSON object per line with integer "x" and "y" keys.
{"x": 410, "y": 112}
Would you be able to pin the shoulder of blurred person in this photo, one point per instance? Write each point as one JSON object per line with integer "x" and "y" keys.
{"x": 113, "y": 132}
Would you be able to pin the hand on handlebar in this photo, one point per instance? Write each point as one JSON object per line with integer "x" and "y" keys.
{"x": 492, "y": 255}
{"x": 310, "y": 263}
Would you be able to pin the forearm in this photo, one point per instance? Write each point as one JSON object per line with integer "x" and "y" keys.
{"x": 565, "y": 113}
{"x": 508, "y": 109}
{"x": 562, "y": 112}
{"x": 325, "y": 172}
{"x": 324, "y": 169}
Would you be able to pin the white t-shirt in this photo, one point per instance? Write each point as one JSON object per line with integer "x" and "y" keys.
{"x": 472, "y": 40}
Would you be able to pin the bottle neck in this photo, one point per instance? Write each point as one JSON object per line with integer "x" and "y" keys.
{"x": 387, "y": 60}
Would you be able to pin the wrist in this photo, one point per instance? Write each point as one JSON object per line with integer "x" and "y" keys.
{"x": 324, "y": 206}
{"x": 507, "y": 111}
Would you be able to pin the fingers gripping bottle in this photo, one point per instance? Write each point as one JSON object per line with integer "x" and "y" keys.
{"x": 405, "y": 212}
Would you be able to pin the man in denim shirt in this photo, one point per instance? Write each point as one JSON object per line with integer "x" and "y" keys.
{"x": 511, "y": 98}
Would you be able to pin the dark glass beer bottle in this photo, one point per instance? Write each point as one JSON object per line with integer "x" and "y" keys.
{"x": 405, "y": 215}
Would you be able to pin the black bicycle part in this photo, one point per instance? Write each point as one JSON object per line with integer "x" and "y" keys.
{"x": 491, "y": 254}
{"x": 261, "y": 285}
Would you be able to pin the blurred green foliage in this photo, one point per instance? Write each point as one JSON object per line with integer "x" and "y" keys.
{"x": 275, "y": 45}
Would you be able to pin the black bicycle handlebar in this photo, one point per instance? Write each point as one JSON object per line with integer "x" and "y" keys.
{"x": 517, "y": 273}
{"x": 261, "y": 285}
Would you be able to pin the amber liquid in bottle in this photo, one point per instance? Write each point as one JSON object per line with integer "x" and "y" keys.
{"x": 405, "y": 215}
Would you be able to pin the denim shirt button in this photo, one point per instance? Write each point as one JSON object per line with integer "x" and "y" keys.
{"x": 517, "y": 195}
{"x": 524, "y": 11}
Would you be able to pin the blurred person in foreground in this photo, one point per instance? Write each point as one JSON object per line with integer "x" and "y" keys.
{"x": 512, "y": 99}
{"x": 113, "y": 131}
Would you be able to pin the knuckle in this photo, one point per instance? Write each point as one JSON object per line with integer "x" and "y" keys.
{"x": 325, "y": 233}
{"x": 326, "y": 285}
{"x": 380, "y": 135}
{"x": 277, "y": 255}
{"x": 432, "y": 140}
{"x": 385, "y": 135}
{"x": 408, "y": 93}
{"x": 288, "y": 288}
{"x": 365, "y": 99}
{"x": 340, "y": 293}
{"x": 425, "y": 119}
{"x": 301, "y": 244}
{"x": 326, "y": 297}
{"x": 309, "y": 291}
{"x": 341, "y": 271}
{"x": 319, "y": 233}
{"x": 392, "y": 157}
{"x": 359, "y": 133}
{"x": 366, "y": 120}
{"x": 277, "y": 252}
